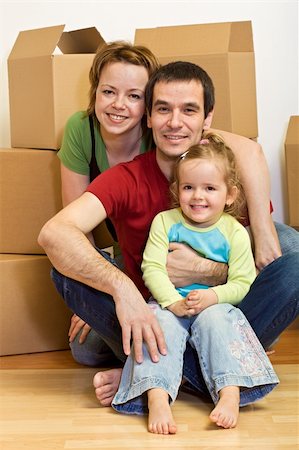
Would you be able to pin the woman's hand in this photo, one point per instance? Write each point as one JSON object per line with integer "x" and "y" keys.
{"x": 76, "y": 326}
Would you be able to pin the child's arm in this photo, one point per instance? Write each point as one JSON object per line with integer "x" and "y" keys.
{"x": 241, "y": 268}
{"x": 200, "y": 299}
{"x": 155, "y": 275}
{"x": 241, "y": 274}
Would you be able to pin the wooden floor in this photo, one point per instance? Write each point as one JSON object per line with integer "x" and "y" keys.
{"x": 47, "y": 402}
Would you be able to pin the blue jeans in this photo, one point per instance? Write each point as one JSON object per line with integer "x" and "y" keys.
{"x": 228, "y": 351}
{"x": 270, "y": 306}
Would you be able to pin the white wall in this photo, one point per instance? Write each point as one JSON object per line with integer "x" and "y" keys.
{"x": 275, "y": 30}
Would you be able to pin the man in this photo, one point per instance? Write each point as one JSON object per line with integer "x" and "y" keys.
{"x": 180, "y": 101}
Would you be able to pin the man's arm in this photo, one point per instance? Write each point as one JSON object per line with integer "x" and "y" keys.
{"x": 64, "y": 239}
{"x": 255, "y": 179}
{"x": 185, "y": 266}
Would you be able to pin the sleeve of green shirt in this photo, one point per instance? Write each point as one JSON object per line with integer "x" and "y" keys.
{"x": 154, "y": 264}
{"x": 75, "y": 151}
{"x": 241, "y": 268}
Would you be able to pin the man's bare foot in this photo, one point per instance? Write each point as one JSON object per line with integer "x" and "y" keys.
{"x": 226, "y": 412}
{"x": 106, "y": 384}
{"x": 160, "y": 419}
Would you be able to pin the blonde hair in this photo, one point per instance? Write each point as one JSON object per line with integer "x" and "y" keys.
{"x": 118, "y": 51}
{"x": 213, "y": 147}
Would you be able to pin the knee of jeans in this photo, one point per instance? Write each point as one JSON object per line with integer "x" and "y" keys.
{"x": 288, "y": 238}
{"x": 286, "y": 268}
{"x": 57, "y": 279}
{"x": 215, "y": 314}
{"x": 83, "y": 355}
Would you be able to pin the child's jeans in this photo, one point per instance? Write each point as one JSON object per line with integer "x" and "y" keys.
{"x": 228, "y": 350}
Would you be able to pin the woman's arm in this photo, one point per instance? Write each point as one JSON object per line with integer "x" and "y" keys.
{"x": 72, "y": 186}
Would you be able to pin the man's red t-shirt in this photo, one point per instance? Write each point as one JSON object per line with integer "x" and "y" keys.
{"x": 132, "y": 193}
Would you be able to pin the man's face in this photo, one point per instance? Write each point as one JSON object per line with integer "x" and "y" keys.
{"x": 177, "y": 118}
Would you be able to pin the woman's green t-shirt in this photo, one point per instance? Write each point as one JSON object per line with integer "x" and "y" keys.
{"x": 76, "y": 147}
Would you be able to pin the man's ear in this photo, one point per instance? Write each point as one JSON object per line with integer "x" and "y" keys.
{"x": 208, "y": 121}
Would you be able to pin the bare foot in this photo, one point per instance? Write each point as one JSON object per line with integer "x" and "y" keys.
{"x": 160, "y": 419}
{"x": 226, "y": 412}
{"x": 106, "y": 384}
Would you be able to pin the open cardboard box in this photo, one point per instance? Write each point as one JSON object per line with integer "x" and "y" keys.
{"x": 45, "y": 88}
{"x": 226, "y": 52}
{"x": 292, "y": 168}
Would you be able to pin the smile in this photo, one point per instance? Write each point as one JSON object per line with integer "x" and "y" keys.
{"x": 198, "y": 207}
{"x": 174, "y": 137}
{"x": 116, "y": 117}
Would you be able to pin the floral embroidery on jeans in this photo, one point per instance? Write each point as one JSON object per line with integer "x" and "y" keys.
{"x": 249, "y": 359}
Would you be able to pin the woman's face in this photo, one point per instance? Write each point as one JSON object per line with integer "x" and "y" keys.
{"x": 120, "y": 104}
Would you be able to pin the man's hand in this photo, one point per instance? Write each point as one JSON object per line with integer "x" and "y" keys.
{"x": 266, "y": 249}
{"x": 181, "y": 264}
{"x": 78, "y": 324}
{"x": 185, "y": 266}
{"x": 139, "y": 323}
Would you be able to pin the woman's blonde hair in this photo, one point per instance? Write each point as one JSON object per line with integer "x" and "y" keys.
{"x": 213, "y": 147}
{"x": 118, "y": 51}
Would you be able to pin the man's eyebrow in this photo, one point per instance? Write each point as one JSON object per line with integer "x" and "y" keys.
{"x": 160, "y": 102}
{"x": 194, "y": 105}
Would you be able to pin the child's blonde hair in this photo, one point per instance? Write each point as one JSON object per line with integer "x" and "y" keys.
{"x": 213, "y": 147}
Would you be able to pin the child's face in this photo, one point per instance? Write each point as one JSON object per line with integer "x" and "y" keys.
{"x": 203, "y": 192}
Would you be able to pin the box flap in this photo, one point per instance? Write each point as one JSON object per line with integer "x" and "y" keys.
{"x": 86, "y": 40}
{"x": 292, "y": 136}
{"x": 241, "y": 39}
{"x": 38, "y": 42}
{"x": 187, "y": 40}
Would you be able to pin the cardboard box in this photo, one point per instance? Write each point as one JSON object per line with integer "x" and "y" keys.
{"x": 292, "y": 169}
{"x": 34, "y": 318}
{"x": 46, "y": 88}
{"x": 226, "y": 52}
{"x": 30, "y": 194}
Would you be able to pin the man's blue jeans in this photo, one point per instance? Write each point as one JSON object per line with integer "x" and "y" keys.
{"x": 270, "y": 306}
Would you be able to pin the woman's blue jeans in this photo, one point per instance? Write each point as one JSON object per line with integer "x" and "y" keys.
{"x": 270, "y": 306}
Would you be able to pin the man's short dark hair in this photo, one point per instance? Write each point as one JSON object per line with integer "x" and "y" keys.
{"x": 181, "y": 71}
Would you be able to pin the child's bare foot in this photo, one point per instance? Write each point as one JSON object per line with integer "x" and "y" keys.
{"x": 226, "y": 412}
{"x": 160, "y": 419}
{"x": 106, "y": 384}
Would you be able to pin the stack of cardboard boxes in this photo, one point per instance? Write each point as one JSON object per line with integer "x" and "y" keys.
{"x": 45, "y": 88}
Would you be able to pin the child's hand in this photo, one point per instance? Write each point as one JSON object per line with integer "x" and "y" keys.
{"x": 179, "y": 308}
{"x": 200, "y": 299}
